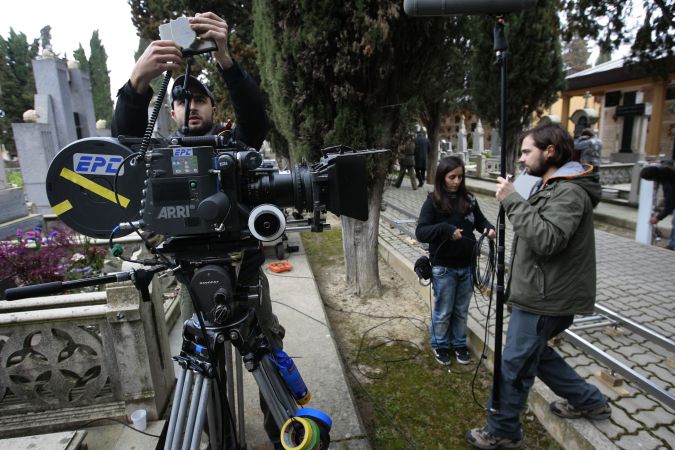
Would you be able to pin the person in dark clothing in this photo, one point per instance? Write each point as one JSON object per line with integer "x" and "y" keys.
{"x": 664, "y": 175}
{"x": 588, "y": 150}
{"x": 131, "y": 110}
{"x": 422, "y": 151}
{"x": 252, "y": 124}
{"x": 406, "y": 163}
{"x": 552, "y": 278}
{"x": 447, "y": 221}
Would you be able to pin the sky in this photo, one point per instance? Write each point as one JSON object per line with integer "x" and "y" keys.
{"x": 73, "y": 22}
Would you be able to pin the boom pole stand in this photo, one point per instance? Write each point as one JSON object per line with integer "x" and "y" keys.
{"x": 500, "y": 47}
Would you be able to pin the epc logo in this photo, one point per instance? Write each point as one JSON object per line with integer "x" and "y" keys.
{"x": 97, "y": 164}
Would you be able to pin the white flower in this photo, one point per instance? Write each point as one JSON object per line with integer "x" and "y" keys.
{"x": 77, "y": 257}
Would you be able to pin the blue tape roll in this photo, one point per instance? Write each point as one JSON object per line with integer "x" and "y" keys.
{"x": 315, "y": 414}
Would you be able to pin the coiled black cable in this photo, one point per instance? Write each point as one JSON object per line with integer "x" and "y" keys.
{"x": 153, "y": 116}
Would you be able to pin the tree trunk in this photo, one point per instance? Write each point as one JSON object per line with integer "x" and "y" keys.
{"x": 432, "y": 120}
{"x": 360, "y": 239}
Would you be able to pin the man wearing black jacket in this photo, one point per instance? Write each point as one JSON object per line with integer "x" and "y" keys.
{"x": 252, "y": 124}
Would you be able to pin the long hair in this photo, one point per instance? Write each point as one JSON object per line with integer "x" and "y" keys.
{"x": 443, "y": 199}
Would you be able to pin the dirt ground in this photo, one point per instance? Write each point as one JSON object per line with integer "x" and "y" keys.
{"x": 383, "y": 343}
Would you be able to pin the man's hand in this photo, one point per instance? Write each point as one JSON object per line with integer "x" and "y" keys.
{"x": 653, "y": 219}
{"x": 209, "y": 26}
{"x": 490, "y": 233}
{"x": 457, "y": 235}
{"x": 504, "y": 189}
{"x": 157, "y": 58}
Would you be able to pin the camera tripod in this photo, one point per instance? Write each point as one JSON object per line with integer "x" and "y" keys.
{"x": 214, "y": 271}
{"x": 225, "y": 316}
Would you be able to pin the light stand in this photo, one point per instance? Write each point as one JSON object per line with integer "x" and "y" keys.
{"x": 500, "y": 46}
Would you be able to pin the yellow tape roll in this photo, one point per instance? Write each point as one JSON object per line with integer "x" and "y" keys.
{"x": 289, "y": 435}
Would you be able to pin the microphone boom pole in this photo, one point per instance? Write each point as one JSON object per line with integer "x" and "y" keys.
{"x": 500, "y": 46}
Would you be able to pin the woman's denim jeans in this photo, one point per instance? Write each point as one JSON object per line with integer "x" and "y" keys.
{"x": 452, "y": 294}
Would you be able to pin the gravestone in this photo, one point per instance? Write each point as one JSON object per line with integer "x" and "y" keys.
{"x": 462, "y": 145}
{"x": 13, "y": 211}
{"x": 634, "y": 113}
{"x": 64, "y": 112}
{"x": 478, "y": 140}
{"x": 495, "y": 143}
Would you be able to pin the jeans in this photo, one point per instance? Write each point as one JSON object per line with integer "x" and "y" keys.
{"x": 526, "y": 355}
{"x": 452, "y": 294}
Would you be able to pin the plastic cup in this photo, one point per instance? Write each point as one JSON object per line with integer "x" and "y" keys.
{"x": 139, "y": 419}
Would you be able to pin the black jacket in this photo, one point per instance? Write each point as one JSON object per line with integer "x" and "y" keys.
{"x": 436, "y": 228}
{"x": 252, "y": 124}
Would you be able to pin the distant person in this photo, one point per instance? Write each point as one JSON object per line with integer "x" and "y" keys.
{"x": 588, "y": 150}
{"x": 447, "y": 221}
{"x": 406, "y": 163}
{"x": 552, "y": 278}
{"x": 422, "y": 150}
{"x": 664, "y": 175}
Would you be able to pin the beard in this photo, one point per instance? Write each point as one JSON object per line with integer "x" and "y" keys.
{"x": 202, "y": 129}
{"x": 539, "y": 168}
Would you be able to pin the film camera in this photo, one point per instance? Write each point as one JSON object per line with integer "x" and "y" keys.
{"x": 198, "y": 185}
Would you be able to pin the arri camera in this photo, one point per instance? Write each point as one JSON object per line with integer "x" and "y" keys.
{"x": 197, "y": 185}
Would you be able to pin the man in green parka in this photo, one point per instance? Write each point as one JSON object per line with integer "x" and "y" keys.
{"x": 552, "y": 279}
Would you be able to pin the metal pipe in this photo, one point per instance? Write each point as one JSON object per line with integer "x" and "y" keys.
{"x": 192, "y": 414}
{"x": 201, "y": 413}
{"x": 241, "y": 421}
{"x": 635, "y": 327}
{"x": 174, "y": 409}
{"x": 617, "y": 366}
{"x": 180, "y": 420}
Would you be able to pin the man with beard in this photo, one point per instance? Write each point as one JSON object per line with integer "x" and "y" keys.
{"x": 133, "y": 99}
{"x": 252, "y": 124}
{"x": 552, "y": 278}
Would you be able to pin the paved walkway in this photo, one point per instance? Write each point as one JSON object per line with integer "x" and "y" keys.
{"x": 634, "y": 280}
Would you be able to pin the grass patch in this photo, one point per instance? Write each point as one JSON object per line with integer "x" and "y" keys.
{"x": 14, "y": 177}
{"x": 405, "y": 398}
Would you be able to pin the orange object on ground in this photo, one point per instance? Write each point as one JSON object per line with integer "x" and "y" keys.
{"x": 280, "y": 266}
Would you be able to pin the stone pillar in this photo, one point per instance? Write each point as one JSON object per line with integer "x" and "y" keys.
{"x": 478, "y": 141}
{"x": 141, "y": 348}
{"x": 461, "y": 137}
{"x": 495, "y": 145}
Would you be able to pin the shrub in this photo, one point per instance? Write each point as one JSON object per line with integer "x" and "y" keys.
{"x": 36, "y": 258}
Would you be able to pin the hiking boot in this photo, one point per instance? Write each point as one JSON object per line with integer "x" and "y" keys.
{"x": 463, "y": 355}
{"x": 482, "y": 438}
{"x": 442, "y": 355}
{"x": 562, "y": 408}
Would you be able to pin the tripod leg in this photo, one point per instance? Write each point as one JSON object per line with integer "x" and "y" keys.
{"x": 201, "y": 412}
{"x": 274, "y": 391}
{"x": 174, "y": 409}
{"x": 240, "y": 399}
{"x": 180, "y": 420}
{"x": 215, "y": 423}
{"x": 227, "y": 348}
{"x": 192, "y": 414}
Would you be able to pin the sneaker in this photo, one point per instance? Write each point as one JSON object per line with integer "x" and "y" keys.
{"x": 463, "y": 355}
{"x": 442, "y": 355}
{"x": 562, "y": 408}
{"x": 482, "y": 438}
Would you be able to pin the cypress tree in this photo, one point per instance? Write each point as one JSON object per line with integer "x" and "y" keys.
{"x": 81, "y": 59}
{"x": 17, "y": 86}
{"x": 535, "y": 74}
{"x": 100, "y": 78}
